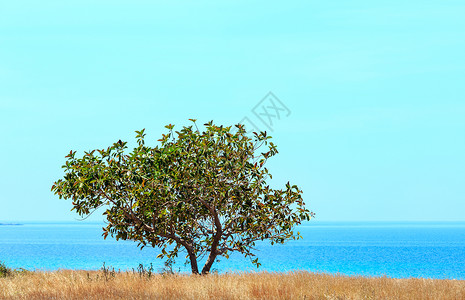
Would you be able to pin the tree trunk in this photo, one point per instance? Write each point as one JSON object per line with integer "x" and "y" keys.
{"x": 211, "y": 259}
{"x": 214, "y": 249}
{"x": 193, "y": 259}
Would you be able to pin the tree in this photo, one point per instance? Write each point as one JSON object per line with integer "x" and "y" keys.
{"x": 202, "y": 192}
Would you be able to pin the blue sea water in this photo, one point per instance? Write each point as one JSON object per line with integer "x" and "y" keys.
{"x": 429, "y": 250}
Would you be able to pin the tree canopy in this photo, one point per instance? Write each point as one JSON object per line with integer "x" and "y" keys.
{"x": 204, "y": 193}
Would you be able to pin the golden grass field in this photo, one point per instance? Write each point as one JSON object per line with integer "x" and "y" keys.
{"x": 68, "y": 284}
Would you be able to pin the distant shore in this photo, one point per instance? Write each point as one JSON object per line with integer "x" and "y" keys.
{"x": 10, "y": 224}
{"x": 108, "y": 284}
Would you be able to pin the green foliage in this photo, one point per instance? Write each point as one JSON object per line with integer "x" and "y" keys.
{"x": 4, "y": 270}
{"x": 202, "y": 192}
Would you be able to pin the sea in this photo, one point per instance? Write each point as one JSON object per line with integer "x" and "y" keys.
{"x": 392, "y": 249}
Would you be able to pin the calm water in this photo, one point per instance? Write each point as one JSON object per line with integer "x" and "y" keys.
{"x": 432, "y": 250}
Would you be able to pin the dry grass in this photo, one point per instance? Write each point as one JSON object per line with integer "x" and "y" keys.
{"x": 299, "y": 285}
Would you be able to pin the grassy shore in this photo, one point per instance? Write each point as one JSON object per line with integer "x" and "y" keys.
{"x": 68, "y": 284}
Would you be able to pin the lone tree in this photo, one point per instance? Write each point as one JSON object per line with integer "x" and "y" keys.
{"x": 202, "y": 192}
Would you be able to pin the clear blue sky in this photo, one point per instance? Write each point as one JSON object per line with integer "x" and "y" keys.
{"x": 376, "y": 91}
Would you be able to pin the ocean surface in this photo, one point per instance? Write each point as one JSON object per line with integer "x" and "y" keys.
{"x": 400, "y": 250}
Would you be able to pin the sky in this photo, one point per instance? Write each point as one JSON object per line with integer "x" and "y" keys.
{"x": 369, "y": 96}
